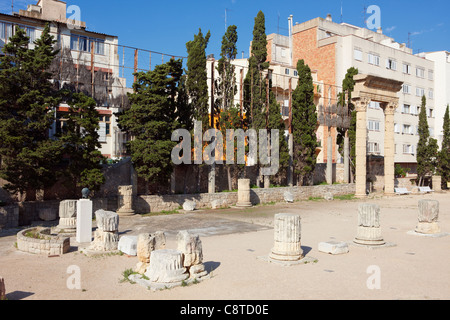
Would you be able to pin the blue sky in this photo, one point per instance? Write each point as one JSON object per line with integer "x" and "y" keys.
{"x": 166, "y": 26}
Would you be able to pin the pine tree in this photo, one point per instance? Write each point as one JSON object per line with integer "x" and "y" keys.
{"x": 27, "y": 101}
{"x": 197, "y": 78}
{"x": 444, "y": 155}
{"x": 255, "y": 98}
{"x": 81, "y": 141}
{"x": 151, "y": 120}
{"x": 425, "y": 148}
{"x": 304, "y": 124}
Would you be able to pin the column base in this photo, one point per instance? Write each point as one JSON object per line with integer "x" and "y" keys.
{"x": 244, "y": 205}
{"x": 126, "y": 213}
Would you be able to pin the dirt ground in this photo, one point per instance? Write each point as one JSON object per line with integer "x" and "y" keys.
{"x": 412, "y": 267}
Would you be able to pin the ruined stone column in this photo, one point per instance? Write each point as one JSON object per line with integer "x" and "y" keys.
{"x": 191, "y": 247}
{"x": 68, "y": 215}
{"x": 125, "y": 201}
{"x": 389, "y": 149}
{"x": 428, "y": 217}
{"x": 166, "y": 266}
{"x": 106, "y": 237}
{"x": 437, "y": 183}
{"x": 369, "y": 229}
{"x": 146, "y": 244}
{"x": 361, "y": 148}
{"x": 287, "y": 238}
{"x": 244, "y": 193}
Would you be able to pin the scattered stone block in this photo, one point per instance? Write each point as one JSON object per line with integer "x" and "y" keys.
{"x": 333, "y": 247}
{"x": 289, "y": 197}
{"x": 189, "y": 205}
{"x": 106, "y": 237}
{"x": 68, "y": 215}
{"x": 328, "y": 196}
{"x": 128, "y": 245}
{"x": 428, "y": 217}
{"x": 166, "y": 266}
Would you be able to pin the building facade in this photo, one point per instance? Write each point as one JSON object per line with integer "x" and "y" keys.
{"x": 331, "y": 49}
{"x": 87, "y": 62}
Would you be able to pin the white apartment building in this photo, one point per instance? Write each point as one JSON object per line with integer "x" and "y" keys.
{"x": 441, "y": 61}
{"x": 76, "y": 59}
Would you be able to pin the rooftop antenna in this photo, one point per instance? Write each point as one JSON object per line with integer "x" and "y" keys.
{"x": 409, "y": 39}
{"x": 278, "y": 25}
{"x": 12, "y": 6}
{"x": 342, "y": 12}
{"x": 365, "y": 17}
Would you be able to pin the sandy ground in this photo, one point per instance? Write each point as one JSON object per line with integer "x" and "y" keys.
{"x": 415, "y": 268}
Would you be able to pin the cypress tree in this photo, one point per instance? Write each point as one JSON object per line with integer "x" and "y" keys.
{"x": 27, "y": 101}
{"x": 255, "y": 105}
{"x": 444, "y": 155}
{"x": 197, "y": 78}
{"x": 304, "y": 124}
{"x": 151, "y": 120}
{"x": 426, "y": 148}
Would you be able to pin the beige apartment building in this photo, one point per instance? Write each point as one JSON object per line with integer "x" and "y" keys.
{"x": 88, "y": 62}
{"x": 331, "y": 49}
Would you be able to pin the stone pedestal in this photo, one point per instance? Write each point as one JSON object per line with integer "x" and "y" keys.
{"x": 369, "y": 229}
{"x": 437, "y": 183}
{"x": 191, "y": 247}
{"x": 428, "y": 217}
{"x": 287, "y": 238}
{"x": 106, "y": 237}
{"x": 166, "y": 266}
{"x": 125, "y": 201}
{"x": 244, "y": 193}
{"x": 84, "y": 221}
{"x": 68, "y": 215}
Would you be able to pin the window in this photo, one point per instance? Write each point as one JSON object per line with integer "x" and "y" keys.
{"x": 31, "y": 33}
{"x": 420, "y": 72}
{"x": 430, "y": 113}
{"x": 406, "y": 89}
{"x": 408, "y": 149}
{"x": 420, "y": 92}
{"x": 407, "y": 129}
{"x": 374, "y": 59}
{"x": 6, "y": 31}
{"x": 431, "y": 94}
{"x": 396, "y": 128}
{"x": 374, "y": 105}
{"x": 406, "y": 68}
{"x": 295, "y": 73}
{"x": 391, "y": 64}
{"x": 105, "y": 127}
{"x": 81, "y": 43}
{"x": 406, "y": 109}
{"x": 286, "y": 71}
{"x": 374, "y": 125}
{"x": 358, "y": 54}
{"x": 373, "y": 147}
{"x": 283, "y": 52}
{"x": 430, "y": 75}
{"x": 285, "y": 108}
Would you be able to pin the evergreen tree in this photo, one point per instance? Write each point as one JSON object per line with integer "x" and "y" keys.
{"x": 425, "y": 148}
{"x": 151, "y": 120}
{"x": 197, "y": 78}
{"x": 81, "y": 142}
{"x": 444, "y": 155}
{"x": 255, "y": 97}
{"x": 304, "y": 124}
{"x": 345, "y": 99}
{"x": 27, "y": 101}
{"x": 226, "y": 84}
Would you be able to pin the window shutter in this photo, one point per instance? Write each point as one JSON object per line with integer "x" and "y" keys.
{"x": 102, "y": 132}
